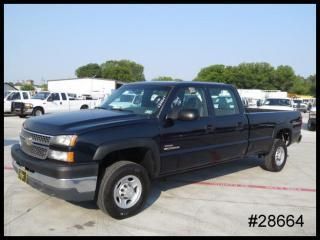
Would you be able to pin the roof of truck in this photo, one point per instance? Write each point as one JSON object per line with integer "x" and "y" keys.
{"x": 179, "y": 83}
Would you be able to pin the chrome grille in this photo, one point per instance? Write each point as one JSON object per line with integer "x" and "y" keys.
{"x": 35, "y": 144}
{"x": 36, "y": 137}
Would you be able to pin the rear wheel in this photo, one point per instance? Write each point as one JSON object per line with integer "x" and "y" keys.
{"x": 123, "y": 189}
{"x": 277, "y": 157}
{"x": 84, "y": 107}
{"x": 22, "y": 115}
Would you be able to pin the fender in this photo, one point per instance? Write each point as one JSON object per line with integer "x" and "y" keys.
{"x": 107, "y": 148}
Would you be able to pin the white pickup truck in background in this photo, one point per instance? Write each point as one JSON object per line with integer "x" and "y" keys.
{"x": 16, "y": 96}
{"x": 50, "y": 102}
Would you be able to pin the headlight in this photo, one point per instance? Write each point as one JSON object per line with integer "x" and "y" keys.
{"x": 64, "y": 140}
{"x": 28, "y": 105}
{"x": 61, "y": 156}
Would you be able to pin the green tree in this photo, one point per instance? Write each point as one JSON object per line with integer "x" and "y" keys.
{"x": 27, "y": 87}
{"x": 163, "y": 78}
{"x": 123, "y": 70}
{"x": 311, "y": 80}
{"x": 89, "y": 70}
{"x": 44, "y": 87}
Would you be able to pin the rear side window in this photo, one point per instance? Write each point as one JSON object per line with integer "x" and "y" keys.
{"x": 63, "y": 95}
{"x": 224, "y": 101}
{"x": 25, "y": 95}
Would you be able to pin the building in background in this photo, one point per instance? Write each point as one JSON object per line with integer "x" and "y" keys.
{"x": 97, "y": 88}
{"x": 254, "y": 95}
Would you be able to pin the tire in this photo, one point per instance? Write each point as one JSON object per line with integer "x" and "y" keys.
{"x": 22, "y": 115}
{"x": 83, "y": 107}
{"x": 114, "y": 183}
{"x": 311, "y": 127}
{"x": 275, "y": 160}
{"x": 37, "y": 112}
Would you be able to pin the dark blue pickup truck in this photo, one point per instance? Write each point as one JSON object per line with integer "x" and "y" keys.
{"x": 144, "y": 131}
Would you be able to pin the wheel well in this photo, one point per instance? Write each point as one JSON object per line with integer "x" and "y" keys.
{"x": 84, "y": 106}
{"x": 285, "y": 134}
{"x": 140, "y": 155}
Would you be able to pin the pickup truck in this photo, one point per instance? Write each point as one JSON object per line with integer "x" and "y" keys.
{"x": 312, "y": 121}
{"x": 16, "y": 96}
{"x": 110, "y": 154}
{"x": 50, "y": 102}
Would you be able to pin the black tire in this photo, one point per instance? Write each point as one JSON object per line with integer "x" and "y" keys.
{"x": 270, "y": 160}
{"x": 22, "y": 115}
{"x": 84, "y": 107}
{"x": 35, "y": 111}
{"x": 114, "y": 173}
{"x": 311, "y": 126}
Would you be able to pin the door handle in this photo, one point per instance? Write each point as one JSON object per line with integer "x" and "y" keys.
{"x": 60, "y": 103}
{"x": 210, "y": 127}
{"x": 239, "y": 125}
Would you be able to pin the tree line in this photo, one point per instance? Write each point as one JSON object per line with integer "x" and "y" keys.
{"x": 260, "y": 75}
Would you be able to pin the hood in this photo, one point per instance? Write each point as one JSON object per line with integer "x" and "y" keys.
{"x": 78, "y": 121}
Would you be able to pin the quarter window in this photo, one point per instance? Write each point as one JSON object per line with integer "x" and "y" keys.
{"x": 224, "y": 101}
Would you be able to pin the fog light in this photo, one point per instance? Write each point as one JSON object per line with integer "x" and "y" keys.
{"x": 61, "y": 156}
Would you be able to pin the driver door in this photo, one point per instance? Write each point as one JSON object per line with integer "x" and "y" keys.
{"x": 184, "y": 144}
{"x": 53, "y": 103}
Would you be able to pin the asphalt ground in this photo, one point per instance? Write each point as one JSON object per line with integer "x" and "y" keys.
{"x": 213, "y": 201}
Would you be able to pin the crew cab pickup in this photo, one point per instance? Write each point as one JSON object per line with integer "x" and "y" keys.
{"x": 109, "y": 154}
{"x": 50, "y": 102}
{"x": 15, "y": 96}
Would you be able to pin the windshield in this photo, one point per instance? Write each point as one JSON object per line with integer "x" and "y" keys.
{"x": 14, "y": 96}
{"x": 297, "y": 101}
{"x": 138, "y": 99}
{"x": 41, "y": 95}
{"x": 277, "y": 102}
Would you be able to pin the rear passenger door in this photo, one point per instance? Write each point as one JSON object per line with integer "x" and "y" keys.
{"x": 64, "y": 103}
{"x": 229, "y": 137}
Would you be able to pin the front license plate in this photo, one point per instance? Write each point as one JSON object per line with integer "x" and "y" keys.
{"x": 22, "y": 175}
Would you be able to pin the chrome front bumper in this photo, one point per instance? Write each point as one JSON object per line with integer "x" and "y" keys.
{"x": 76, "y": 189}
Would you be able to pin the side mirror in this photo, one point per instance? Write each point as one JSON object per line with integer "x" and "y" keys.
{"x": 50, "y": 99}
{"x": 259, "y": 103}
{"x": 188, "y": 115}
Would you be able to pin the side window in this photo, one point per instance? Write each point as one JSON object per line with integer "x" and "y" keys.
{"x": 55, "y": 96}
{"x": 224, "y": 102}
{"x": 190, "y": 98}
{"x": 63, "y": 95}
{"x": 25, "y": 95}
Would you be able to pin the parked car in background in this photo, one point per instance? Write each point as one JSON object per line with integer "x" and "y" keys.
{"x": 50, "y": 102}
{"x": 312, "y": 118}
{"x": 285, "y": 104}
{"x": 16, "y": 96}
{"x": 299, "y": 105}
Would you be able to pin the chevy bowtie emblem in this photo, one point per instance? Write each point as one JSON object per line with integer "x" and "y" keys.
{"x": 29, "y": 141}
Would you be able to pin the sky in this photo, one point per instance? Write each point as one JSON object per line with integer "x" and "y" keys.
{"x": 51, "y": 41}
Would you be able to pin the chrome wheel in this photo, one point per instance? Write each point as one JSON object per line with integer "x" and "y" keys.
{"x": 127, "y": 191}
{"x": 279, "y": 156}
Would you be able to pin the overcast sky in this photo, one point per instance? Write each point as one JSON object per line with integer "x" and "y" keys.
{"x": 51, "y": 41}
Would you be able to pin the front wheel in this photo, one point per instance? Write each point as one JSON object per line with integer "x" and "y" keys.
{"x": 123, "y": 189}
{"x": 276, "y": 159}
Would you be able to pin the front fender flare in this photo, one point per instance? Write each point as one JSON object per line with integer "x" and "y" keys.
{"x": 107, "y": 148}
